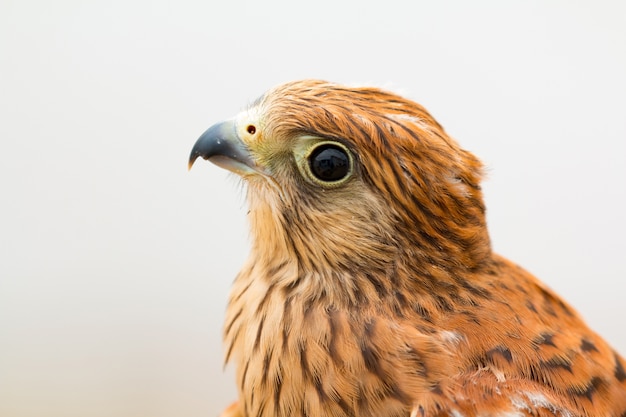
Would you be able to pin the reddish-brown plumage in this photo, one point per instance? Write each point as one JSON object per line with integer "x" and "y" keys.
{"x": 379, "y": 295}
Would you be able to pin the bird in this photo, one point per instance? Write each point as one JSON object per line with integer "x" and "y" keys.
{"x": 371, "y": 288}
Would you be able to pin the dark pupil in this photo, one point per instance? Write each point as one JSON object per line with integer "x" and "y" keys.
{"x": 329, "y": 163}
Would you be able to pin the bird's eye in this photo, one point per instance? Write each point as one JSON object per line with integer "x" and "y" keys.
{"x": 329, "y": 163}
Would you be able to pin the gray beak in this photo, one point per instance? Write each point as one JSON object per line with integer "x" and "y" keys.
{"x": 222, "y": 145}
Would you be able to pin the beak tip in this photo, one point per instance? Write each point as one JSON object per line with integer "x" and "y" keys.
{"x": 192, "y": 158}
{"x": 190, "y": 163}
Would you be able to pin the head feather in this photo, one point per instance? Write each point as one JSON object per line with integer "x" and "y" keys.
{"x": 429, "y": 185}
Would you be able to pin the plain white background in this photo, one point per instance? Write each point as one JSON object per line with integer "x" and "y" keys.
{"x": 116, "y": 262}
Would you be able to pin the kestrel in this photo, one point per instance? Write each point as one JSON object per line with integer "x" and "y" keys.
{"x": 371, "y": 288}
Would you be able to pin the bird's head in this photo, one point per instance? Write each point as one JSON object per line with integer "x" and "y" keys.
{"x": 344, "y": 179}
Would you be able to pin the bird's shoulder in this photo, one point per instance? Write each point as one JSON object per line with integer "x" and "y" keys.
{"x": 515, "y": 345}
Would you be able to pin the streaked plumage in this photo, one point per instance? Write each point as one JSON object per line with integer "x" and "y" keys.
{"x": 378, "y": 294}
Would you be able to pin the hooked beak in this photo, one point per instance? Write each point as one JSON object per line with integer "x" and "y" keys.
{"x": 222, "y": 145}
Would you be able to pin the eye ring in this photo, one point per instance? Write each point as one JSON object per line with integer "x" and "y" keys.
{"x": 328, "y": 163}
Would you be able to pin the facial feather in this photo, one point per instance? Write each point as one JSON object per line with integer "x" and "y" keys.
{"x": 411, "y": 180}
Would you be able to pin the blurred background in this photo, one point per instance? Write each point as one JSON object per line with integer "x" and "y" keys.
{"x": 115, "y": 262}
